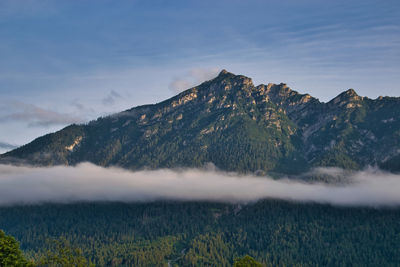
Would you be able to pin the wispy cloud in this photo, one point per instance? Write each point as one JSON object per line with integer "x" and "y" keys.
{"x": 192, "y": 78}
{"x": 4, "y": 147}
{"x": 87, "y": 182}
{"x": 111, "y": 98}
{"x": 36, "y": 116}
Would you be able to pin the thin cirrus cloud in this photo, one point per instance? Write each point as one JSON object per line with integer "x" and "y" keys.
{"x": 87, "y": 182}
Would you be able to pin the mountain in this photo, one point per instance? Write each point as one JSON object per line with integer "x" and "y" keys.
{"x": 235, "y": 125}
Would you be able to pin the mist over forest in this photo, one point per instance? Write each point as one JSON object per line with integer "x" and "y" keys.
{"x": 88, "y": 182}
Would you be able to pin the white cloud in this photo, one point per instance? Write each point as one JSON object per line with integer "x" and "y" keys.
{"x": 87, "y": 182}
{"x": 178, "y": 85}
{"x": 192, "y": 78}
{"x": 36, "y": 116}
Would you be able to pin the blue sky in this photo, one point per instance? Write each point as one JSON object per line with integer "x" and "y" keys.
{"x": 72, "y": 61}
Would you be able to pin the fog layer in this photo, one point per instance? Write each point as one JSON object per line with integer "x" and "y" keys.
{"x": 87, "y": 182}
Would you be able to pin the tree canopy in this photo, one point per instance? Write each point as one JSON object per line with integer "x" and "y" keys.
{"x": 246, "y": 261}
{"x": 10, "y": 253}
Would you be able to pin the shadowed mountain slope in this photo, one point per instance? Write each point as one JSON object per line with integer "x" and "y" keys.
{"x": 235, "y": 125}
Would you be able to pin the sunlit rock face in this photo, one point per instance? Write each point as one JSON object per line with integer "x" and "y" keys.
{"x": 236, "y": 125}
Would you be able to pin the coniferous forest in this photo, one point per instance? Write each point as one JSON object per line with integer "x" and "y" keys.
{"x": 215, "y": 133}
{"x": 275, "y": 233}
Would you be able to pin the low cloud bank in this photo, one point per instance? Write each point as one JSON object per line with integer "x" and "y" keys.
{"x": 87, "y": 182}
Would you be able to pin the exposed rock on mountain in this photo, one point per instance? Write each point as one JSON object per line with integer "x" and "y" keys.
{"x": 235, "y": 125}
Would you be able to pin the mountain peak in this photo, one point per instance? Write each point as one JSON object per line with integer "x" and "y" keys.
{"x": 223, "y": 72}
{"x": 235, "y": 125}
{"x": 232, "y": 79}
{"x": 346, "y": 97}
{"x": 350, "y": 92}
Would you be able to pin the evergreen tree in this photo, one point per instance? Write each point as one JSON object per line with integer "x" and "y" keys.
{"x": 246, "y": 261}
{"x": 10, "y": 253}
{"x": 63, "y": 254}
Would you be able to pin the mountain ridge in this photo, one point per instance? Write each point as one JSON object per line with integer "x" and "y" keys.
{"x": 236, "y": 125}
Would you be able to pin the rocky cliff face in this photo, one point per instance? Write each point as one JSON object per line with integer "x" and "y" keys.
{"x": 235, "y": 125}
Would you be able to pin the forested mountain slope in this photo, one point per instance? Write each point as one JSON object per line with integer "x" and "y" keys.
{"x": 235, "y": 125}
{"x": 276, "y": 233}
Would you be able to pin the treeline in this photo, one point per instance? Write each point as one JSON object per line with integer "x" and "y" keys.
{"x": 275, "y": 233}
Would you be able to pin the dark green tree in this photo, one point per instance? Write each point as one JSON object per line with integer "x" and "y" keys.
{"x": 246, "y": 261}
{"x": 10, "y": 253}
{"x": 63, "y": 254}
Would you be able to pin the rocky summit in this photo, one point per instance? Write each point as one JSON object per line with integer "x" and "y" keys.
{"x": 235, "y": 125}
